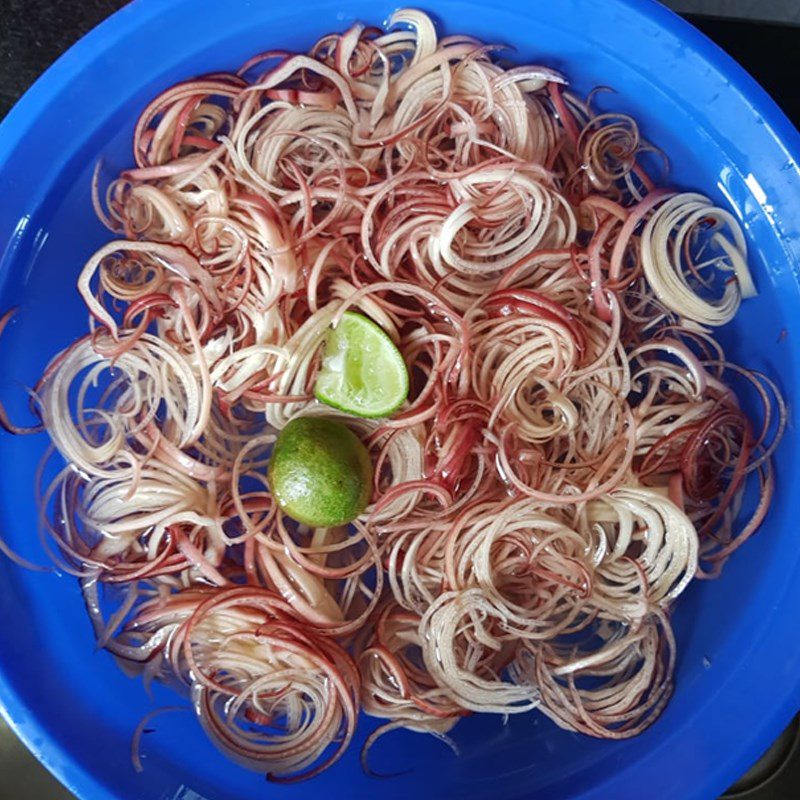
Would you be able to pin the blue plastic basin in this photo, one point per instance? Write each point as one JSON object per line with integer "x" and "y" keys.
{"x": 738, "y": 676}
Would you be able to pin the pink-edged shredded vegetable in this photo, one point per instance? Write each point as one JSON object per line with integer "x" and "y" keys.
{"x": 572, "y": 453}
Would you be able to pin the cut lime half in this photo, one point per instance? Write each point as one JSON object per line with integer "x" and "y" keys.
{"x": 363, "y": 372}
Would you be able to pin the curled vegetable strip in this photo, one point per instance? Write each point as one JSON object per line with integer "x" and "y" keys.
{"x": 394, "y": 685}
{"x": 294, "y": 719}
{"x": 593, "y": 692}
{"x": 642, "y": 519}
{"x": 664, "y": 238}
{"x": 464, "y": 656}
{"x": 530, "y": 565}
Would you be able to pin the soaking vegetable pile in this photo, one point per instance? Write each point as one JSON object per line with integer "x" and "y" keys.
{"x": 400, "y": 394}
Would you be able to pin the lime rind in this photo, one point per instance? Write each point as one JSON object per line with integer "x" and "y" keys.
{"x": 363, "y": 373}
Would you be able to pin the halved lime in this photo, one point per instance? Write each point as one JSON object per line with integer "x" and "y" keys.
{"x": 363, "y": 372}
{"x": 319, "y": 472}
